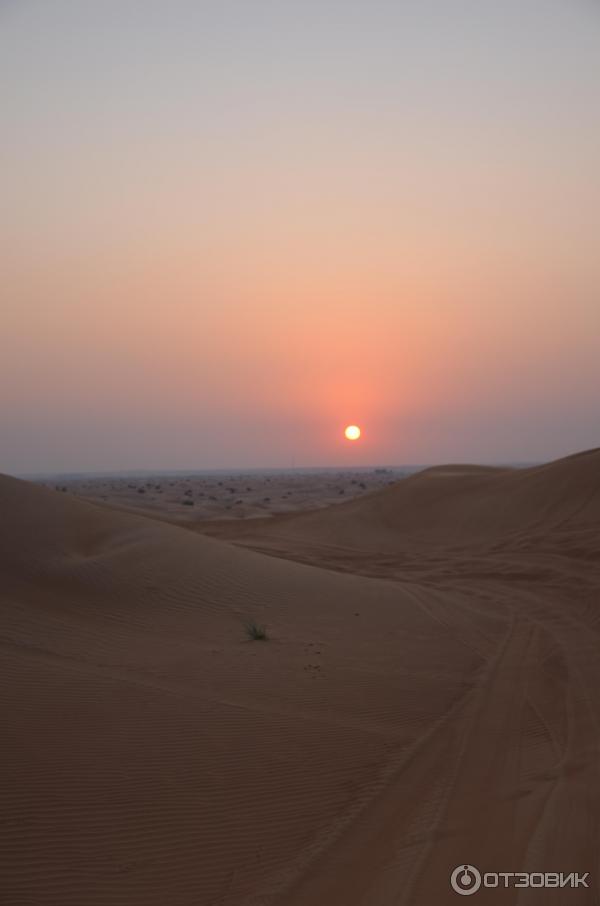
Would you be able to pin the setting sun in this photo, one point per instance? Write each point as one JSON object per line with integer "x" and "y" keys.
{"x": 352, "y": 432}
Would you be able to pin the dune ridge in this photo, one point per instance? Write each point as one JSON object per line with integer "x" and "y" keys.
{"x": 428, "y": 695}
{"x": 454, "y": 503}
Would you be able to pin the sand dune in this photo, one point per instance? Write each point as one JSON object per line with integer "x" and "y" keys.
{"x": 449, "y": 505}
{"x": 428, "y": 696}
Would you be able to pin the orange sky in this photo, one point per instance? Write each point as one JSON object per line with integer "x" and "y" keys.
{"x": 228, "y": 235}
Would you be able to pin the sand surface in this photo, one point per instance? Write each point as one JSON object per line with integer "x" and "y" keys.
{"x": 229, "y": 496}
{"x": 429, "y": 694}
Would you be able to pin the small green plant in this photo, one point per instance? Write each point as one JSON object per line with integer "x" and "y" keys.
{"x": 255, "y": 631}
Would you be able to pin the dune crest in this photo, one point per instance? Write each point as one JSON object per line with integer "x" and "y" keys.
{"x": 451, "y": 506}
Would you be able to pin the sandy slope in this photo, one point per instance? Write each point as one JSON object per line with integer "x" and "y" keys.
{"x": 443, "y": 706}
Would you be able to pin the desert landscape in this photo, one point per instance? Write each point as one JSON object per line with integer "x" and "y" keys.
{"x": 228, "y": 495}
{"x": 427, "y": 694}
{"x": 299, "y": 453}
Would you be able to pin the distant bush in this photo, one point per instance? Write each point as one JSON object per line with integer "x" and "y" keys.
{"x": 188, "y": 502}
{"x": 255, "y": 631}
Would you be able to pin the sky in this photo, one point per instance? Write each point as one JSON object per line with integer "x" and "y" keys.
{"x": 228, "y": 229}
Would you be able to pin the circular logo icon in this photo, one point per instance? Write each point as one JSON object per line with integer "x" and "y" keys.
{"x": 465, "y": 880}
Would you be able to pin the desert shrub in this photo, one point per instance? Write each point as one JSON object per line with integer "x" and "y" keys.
{"x": 255, "y": 631}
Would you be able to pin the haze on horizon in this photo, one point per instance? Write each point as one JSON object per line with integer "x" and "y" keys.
{"x": 230, "y": 229}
